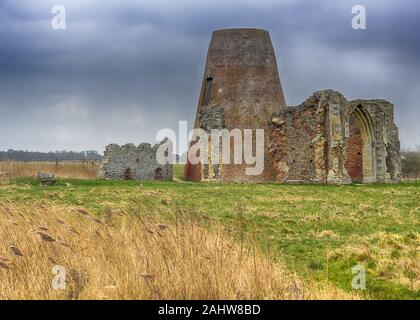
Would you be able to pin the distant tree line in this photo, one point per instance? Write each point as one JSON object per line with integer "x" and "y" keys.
{"x": 410, "y": 163}
{"x": 21, "y": 155}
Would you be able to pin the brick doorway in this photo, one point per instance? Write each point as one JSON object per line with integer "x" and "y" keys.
{"x": 354, "y": 156}
{"x": 360, "y": 162}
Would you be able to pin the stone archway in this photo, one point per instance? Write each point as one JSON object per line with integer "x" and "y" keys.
{"x": 360, "y": 155}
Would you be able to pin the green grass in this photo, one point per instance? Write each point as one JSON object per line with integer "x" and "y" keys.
{"x": 178, "y": 172}
{"x": 319, "y": 231}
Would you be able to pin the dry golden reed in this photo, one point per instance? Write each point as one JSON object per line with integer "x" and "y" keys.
{"x": 65, "y": 169}
{"x": 129, "y": 257}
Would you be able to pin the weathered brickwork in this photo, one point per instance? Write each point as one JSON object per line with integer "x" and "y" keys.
{"x": 241, "y": 79}
{"x": 328, "y": 139}
{"x": 354, "y": 152}
{"x": 129, "y": 162}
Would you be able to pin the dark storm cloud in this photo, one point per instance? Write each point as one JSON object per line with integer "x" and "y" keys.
{"x": 124, "y": 69}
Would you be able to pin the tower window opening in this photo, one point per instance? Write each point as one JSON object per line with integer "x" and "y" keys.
{"x": 207, "y": 91}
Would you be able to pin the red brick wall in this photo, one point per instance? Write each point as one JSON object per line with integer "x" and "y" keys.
{"x": 354, "y": 158}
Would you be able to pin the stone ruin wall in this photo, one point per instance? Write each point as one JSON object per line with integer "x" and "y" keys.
{"x": 328, "y": 139}
{"x": 129, "y": 162}
{"x": 294, "y": 150}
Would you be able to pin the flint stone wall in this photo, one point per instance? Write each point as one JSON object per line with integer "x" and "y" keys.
{"x": 129, "y": 162}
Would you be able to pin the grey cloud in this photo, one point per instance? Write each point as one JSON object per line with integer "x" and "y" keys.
{"x": 124, "y": 69}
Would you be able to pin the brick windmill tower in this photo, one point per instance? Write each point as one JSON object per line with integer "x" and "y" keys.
{"x": 241, "y": 89}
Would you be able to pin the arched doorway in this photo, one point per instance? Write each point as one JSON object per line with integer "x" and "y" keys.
{"x": 158, "y": 174}
{"x": 128, "y": 175}
{"x": 360, "y": 156}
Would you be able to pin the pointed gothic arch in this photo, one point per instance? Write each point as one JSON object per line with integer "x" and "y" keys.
{"x": 360, "y": 158}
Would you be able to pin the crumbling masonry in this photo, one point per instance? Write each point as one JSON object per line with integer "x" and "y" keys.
{"x": 129, "y": 162}
{"x": 326, "y": 139}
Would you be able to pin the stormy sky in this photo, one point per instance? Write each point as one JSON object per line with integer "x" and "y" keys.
{"x": 124, "y": 69}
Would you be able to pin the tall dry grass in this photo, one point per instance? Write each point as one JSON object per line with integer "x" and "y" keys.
{"x": 122, "y": 256}
{"x": 65, "y": 169}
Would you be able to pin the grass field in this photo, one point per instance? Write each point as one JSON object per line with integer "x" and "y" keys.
{"x": 317, "y": 233}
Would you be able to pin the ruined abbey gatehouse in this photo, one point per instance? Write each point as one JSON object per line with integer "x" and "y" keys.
{"x": 328, "y": 139}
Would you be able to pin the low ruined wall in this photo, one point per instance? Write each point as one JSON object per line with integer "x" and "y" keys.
{"x": 129, "y": 162}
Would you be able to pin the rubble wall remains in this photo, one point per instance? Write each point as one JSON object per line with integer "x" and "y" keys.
{"x": 130, "y": 162}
